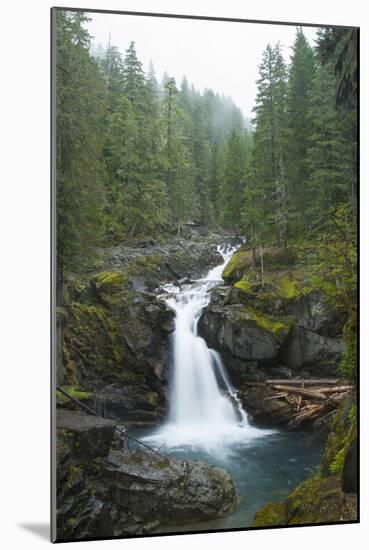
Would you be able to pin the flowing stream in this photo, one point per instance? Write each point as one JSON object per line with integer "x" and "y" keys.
{"x": 206, "y": 420}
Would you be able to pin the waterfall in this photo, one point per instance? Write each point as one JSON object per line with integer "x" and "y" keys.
{"x": 204, "y": 406}
{"x": 197, "y": 398}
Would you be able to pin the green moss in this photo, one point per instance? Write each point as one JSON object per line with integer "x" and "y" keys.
{"x": 288, "y": 288}
{"x": 244, "y": 285}
{"x": 94, "y": 334}
{"x": 73, "y": 474}
{"x": 239, "y": 261}
{"x": 69, "y": 366}
{"x": 152, "y": 398}
{"x": 319, "y": 500}
{"x": 272, "y": 513}
{"x": 109, "y": 279}
{"x": 278, "y": 327}
{"x": 73, "y": 391}
{"x": 337, "y": 463}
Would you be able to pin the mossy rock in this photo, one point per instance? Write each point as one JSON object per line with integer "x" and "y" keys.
{"x": 272, "y": 514}
{"x": 242, "y": 261}
{"x": 316, "y": 500}
{"x": 95, "y": 334}
{"x": 152, "y": 398}
{"x": 110, "y": 281}
{"x": 280, "y": 328}
{"x": 74, "y": 391}
{"x": 109, "y": 285}
{"x": 237, "y": 265}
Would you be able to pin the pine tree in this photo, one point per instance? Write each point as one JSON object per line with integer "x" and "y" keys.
{"x": 270, "y": 142}
{"x": 112, "y": 66}
{"x": 301, "y": 77}
{"x": 327, "y": 155}
{"x": 179, "y": 174}
{"x": 233, "y": 179}
{"x": 81, "y": 107}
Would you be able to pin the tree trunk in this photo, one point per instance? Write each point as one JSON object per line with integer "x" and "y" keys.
{"x": 253, "y": 246}
{"x": 262, "y": 266}
{"x": 277, "y": 237}
{"x": 286, "y": 242}
{"x": 133, "y": 230}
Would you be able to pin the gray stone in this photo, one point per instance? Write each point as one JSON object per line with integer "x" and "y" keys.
{"x": 91, "y": 435}
{"x": 227, "y": 329}
{"x": 306, "y": 348}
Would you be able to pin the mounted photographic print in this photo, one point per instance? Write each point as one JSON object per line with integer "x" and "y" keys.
{"x": 204, "y": 274}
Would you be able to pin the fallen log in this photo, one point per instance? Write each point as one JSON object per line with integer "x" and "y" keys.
{"x": 304, "y": 415}
{"x": 301, "y": 391}
{"x": 336, "y": 389}
{"x": 306, "y": 382}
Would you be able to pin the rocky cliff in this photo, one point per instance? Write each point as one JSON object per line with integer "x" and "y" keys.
{"x": 104, "y": 490}
{"x": 115, "y": 333}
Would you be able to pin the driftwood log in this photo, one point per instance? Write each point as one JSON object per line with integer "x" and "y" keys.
{"x": 305, "y": 405}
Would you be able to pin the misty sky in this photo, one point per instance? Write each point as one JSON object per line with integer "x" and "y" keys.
{"x": 219, "y": 55}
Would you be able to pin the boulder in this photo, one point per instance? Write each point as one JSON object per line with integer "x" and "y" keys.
{"x": 89, "y": 436}
{"x": 104, "y": 492}
{"x": 243, "y": 332}
{"x": 167, "y": 491}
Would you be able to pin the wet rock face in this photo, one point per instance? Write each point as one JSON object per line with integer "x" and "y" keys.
{"x": 115, "y": 341}
{"x": 300, "y": 333}
{"x": 88, "y": 436}
{"x": 168, "y": 492}
{"x": 306, "y": 348}
{"x": 233, "y": 329}
{"x": 103, "y": 492}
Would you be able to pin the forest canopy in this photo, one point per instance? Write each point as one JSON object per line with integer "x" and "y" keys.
{"x": 137, "y": 157}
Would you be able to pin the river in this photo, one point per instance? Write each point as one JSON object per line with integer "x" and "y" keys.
{"x": 206, "y": 420}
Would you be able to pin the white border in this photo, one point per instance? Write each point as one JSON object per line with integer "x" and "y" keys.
{"x": 24, "y": 288}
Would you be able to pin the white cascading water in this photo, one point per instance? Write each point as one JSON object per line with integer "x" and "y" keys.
{"x": 197, "y": 399}
{"x": 204, "y": 407}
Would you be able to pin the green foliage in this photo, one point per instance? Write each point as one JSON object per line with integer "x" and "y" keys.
{"x": 81, "y": 106}
{"x": 336, "y": 275}
{"x": 301, "y": 75}
{"x": 265, "y": 208}
{"x": 233, "y": 178}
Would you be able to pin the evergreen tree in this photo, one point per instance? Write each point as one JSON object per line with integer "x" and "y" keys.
{"x": 301, "y": 77}
{"x": 112, "y": 65}
{"x": 136, "y": 155}
{"x": 81, "y": 107}
{"x": 270, "y": 142}
{"x": 233, "y": 179}
{"x": 327, "y": 155}
{"x": 179, "y": 176}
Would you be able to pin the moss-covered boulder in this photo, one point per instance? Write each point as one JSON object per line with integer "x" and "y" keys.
{"x": 244, "y": 332}
{"x": 241, "y": 262}
{"x": 317, "y": 500}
